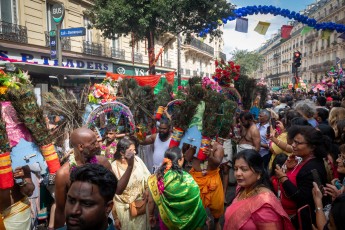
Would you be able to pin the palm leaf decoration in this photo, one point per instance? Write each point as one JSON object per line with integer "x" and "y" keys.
{"x": 140, "y": 100}
{"x": 68, "y": 105}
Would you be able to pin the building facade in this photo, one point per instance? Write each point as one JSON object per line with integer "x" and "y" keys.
{"x": 318, "y": 55}
{"x": 24, "y": 35}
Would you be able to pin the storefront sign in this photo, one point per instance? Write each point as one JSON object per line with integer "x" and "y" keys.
{"x": 135, "y": 70}
{"x": 45, "y": 59}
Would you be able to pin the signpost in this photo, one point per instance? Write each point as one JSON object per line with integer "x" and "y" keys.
{"x": 52, "y": 44}
{"x": 58, "y": 13}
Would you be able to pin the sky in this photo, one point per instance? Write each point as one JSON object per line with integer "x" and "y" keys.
{"x": 252, "y": 40}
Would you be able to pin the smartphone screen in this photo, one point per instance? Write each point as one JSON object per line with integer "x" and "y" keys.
{"x": 304, "y": 218}
{"x": 268, "y": 131}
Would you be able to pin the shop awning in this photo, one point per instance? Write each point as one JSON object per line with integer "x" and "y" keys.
{"x": 46, "y": 70}
{"x": 275, "y": 88}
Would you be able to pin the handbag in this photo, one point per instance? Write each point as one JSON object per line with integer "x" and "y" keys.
{"x": 137, "y": 208}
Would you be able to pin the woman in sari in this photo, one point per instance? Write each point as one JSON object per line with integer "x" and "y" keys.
{"x": 176, "y": 194}
{"x": 255, "y": 205}
{"x": 135, "y": 186}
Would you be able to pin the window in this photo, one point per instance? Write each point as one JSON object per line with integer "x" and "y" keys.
{"x": 166, "y": 55}
{"x": 116, "y": 42}
{"x": 8, "y": 11}
{"x": 88, "y": 35}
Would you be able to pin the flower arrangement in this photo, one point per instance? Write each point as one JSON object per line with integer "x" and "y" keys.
{"x": 210, "y": 83}
{"x": 104, "y": 92}
{"x": 261, "y": 82}
{"x": 226, "y": 73}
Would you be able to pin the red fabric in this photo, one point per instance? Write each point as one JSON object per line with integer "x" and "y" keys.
{"x": 53, "y": 165}
{"x": 150, "y": 80}
{"x": 285, "y": 31}
{"x": 6, "y": 179}
{"x": 170, "y": 77}
{"x": 173, "y": 143}
{"x": 201, "y": 155}
{"x": 51, "y": 157}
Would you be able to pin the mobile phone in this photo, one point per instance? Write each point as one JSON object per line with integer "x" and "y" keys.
{"x": 304, "y": 218}
{"x": 317, "y": 180}
{"x": 268, "y": 130}
{"x": 273, "y": 123}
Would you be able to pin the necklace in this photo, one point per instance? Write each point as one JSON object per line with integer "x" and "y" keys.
{"x": 243, "y": 195}
{"x": 73, "y": 162}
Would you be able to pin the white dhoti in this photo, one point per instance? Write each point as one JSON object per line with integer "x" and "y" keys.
{"x": 242, "y": 147}
{"x": 18, "y": 216}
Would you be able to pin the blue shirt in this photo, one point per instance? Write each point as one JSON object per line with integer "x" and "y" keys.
{"x": 263, "y": 139}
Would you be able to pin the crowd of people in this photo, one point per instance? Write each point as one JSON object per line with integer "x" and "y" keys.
{"x": 289, "y": 166}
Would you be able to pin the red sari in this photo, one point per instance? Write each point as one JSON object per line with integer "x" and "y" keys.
{"x": 260, "y": 211}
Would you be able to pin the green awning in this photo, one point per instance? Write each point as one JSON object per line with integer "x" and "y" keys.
{"x": 275, "y": 88}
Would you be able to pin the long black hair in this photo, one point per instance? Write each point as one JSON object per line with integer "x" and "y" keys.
{"x": 255, "y": 162}
{"x": 122, "y": 146}
{"x": 174, "y": 154}
{"x": 337, "y": 212}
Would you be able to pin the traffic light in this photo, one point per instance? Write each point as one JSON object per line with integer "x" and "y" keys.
{"x": 297, "y": 59}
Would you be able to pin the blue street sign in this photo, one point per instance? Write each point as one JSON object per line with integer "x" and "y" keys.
{"x": 73, "y": 32}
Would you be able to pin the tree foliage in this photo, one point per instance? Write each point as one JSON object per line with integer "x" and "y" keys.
{"x": 157, "y": 16}
{"x": 250, "y": 61}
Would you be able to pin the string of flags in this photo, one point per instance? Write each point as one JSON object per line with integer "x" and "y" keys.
{"x": 262, "y": 27}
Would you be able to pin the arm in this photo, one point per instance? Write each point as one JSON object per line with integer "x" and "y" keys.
{"x": 216, "y": 154}
{"x": 60, "y": 197}
{"x": 266, "y": 218}
{"x": 189, "y": 154}
{"x": 256, "y": 139}
{"x": 151, "y": 208}
{"x": 122, "y": 183}
{"x": 320, "y": 215}
{"x": 26, "y": 187}
{"x": 149, "y": 140}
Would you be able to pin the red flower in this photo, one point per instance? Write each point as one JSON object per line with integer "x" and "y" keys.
{"x": 236, "y": 78}
{"x": 179, "y": 87}
{"x": 216, "y": 63}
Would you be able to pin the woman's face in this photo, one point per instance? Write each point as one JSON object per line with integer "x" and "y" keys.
{"x": 300, "y": 147}
{"x": 245, "y": 175}
{"x": 341, "y": 165}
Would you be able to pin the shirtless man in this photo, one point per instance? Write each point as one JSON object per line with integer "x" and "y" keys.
{"x": 15, "y": 209}
{"x": 250, "y": 135}
{"x": 86, "y": 150}
{"x": 211, "y": 188}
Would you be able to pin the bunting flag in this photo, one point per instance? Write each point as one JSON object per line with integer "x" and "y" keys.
{"x": 342, "y": 36}
{"x": 242, "y": 25}
{"x": 306, "y": 30}
{"x": 150, "y": 80}
{"x": 262, "y": 27}
{"x": 286, "y": 31}
{"x": 325, "y": 34}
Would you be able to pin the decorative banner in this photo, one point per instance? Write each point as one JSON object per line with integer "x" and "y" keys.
{"x": 242, "y": 25}
{"x": 325, "y": 34}
{"x": 342, "y": 36}
{"x": 286, "y": 31}
{"x": 262, "y": 27}
{"x": 306, "y": 30}
{"x": 150, "y": 80}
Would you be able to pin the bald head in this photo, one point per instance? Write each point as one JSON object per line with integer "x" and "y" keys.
{"x": 81, "y": 136}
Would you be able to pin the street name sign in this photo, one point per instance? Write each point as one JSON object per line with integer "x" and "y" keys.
{"x": 73, "y": 32}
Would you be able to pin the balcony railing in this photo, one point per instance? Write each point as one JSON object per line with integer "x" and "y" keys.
{"x": 118, "y": 53}
{"x": 92, "y": 48}
{"x": 167, "y": 63}
{"x": 181, "y": 71}
{"x": 138, "y": 57}
{"x": 65, "y": 41}
{"x": 202, "y": 74}
{"x": 195, "y": 73}
{"x": 201, "y": 46}
{"x": 13, "y": 32}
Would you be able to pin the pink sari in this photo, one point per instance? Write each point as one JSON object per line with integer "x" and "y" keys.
{"x": 262, "y": 211}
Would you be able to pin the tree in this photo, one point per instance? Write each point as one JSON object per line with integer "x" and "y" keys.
{"x": 249, "y": 61}
{"x": 149, "y": 19}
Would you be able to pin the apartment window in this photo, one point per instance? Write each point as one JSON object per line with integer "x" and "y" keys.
{"x": 87, "y": 23}
{"x": 166, "y": 54}
{"x": 8, "y": 11}
{"x": 116, "y": 42}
